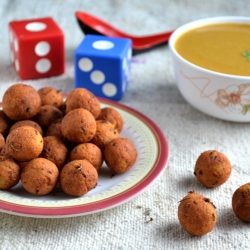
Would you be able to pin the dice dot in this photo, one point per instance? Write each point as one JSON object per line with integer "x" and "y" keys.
{"x": 97, "y": 77}
{"x": 17, "y": 67}
{"x": 109, "y": 89}
{"x": 85, "y": 64}
{"x": 43, "y": 65}
{"x": 15, "y": 45}
{"x": 35, "y": 26}
{"x": 103, "y": 45}
{"x": 42, "y": 48}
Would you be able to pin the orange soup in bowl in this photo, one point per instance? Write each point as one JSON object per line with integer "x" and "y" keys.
{"x": 223, "y": 47}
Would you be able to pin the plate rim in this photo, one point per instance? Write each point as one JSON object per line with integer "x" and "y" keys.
{"x": 111, "y": 202}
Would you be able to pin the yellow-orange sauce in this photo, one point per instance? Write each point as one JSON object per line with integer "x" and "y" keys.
{"x": 217, "y": 47}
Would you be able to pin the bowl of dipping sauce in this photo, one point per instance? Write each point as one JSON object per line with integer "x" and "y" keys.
{"x": 211, "y": 62}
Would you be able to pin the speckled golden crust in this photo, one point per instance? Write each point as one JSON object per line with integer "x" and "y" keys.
{"x": 5, "y": 123}
{"x": 46, "y": 115}
{"x": 120, "y": 155}
{"x": 55, "y": 150}
{"x": 241, "y": 202}
{"x": 78, "y": 125}
{"x": 113, "y": 116}
{"x": 89, "y": 152}
{"x": 9, "y": 172}
{"x": 212, "y": 168}
{"x": 4, "y": 150}
{"x": 2, "y": 141}
{"x": 82, "y": 98}
{"x": 55, "y": 129}
{"x": 21, "y": 102}
{"x": 27, "y": 123}
{"x": 24, "y": 143}
{"x": 51, "y": 96}
{"x": 39, "y": 176}
{"x": 105, "y": 132}
{"x": 78, "y": 177}
{"x": 197, "y": 214}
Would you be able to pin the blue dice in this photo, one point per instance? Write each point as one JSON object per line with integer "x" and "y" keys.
{"x": 102, "y": 65}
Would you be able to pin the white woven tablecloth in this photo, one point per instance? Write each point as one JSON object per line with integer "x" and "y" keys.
{"x": 153, "y": 92}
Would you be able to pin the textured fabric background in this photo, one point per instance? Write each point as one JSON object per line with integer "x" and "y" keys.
{"x": 153, "y": 92}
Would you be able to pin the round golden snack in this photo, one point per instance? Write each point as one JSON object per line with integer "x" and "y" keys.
{"x": 241, "y": 202}
{"x": 21, "y": 102}
{"x": 89, "y": 152}
{"x": 212, "y": 168}
{"x": 82, "y": 98}
{"x": 9, "y": 172}
{"x": 26, "y": 123}
{"x": 54, "y": 129}
{"x": 24, "y": 143}
{"x": 47, "y": 114}
{"x": 78, "y": 125}
{"x": 113, "y": 116}
{"x": 197, "y": 214}
{"x": 39, "y": 176}
{"x": 55, "y": 150}
{"x": 105, "y": 132}
{"x": 120, "y": 155}
{"x": 5, "y": 123}
{"x": 78, "y": 177}
{"x": 4, "y": 150}
{"x": 51, "y": 96}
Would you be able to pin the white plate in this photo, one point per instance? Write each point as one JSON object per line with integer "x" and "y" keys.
{"x": 112, "y": 190}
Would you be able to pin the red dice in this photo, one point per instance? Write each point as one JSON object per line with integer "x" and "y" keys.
{"x": 36, "y": 48}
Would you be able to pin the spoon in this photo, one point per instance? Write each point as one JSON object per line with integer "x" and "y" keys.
{"x": 90, "y": 24}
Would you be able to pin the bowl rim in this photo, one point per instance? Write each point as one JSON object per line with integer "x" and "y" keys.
{"x": 199, "y": 23}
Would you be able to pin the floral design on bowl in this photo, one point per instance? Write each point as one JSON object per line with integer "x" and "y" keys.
{"x": 220, "y": 95}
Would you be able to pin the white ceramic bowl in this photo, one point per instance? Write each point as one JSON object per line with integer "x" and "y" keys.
{"x": 202, "y": 88}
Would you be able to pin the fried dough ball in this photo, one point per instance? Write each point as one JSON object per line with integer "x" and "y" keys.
{"x": 9, "y": 172}
{"x": 2, "y": 141}
{"x": 113, "y": 116}
{"x": 24, "y": 143}
{"x": 78, "y": 177}
{"x": 55, "y": 150}
{"x": 82, "y": 98}
{"x": 51, "y": 96}
{"x": 54, "y": 129}
{"x": 21, "y": 102}
{"x": 47, "y": 114}
{"x": 120, "y": 155}
{"x": 5, "y": 123}
{"x": 78, "y": 125}
{"x": 4, "y": 150}
{"x": 89, "y": 152}
{"x": 212, "y": 168}
{"x": 105, "y": 132}
{"x": 26, "y": 123}
{"x": 197, "y": 214}
{"x": 39, "y": 176}
{"x": 241, "y": 202}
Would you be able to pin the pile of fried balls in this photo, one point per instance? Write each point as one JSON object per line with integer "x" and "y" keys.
{"x": 47, "y": 139}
